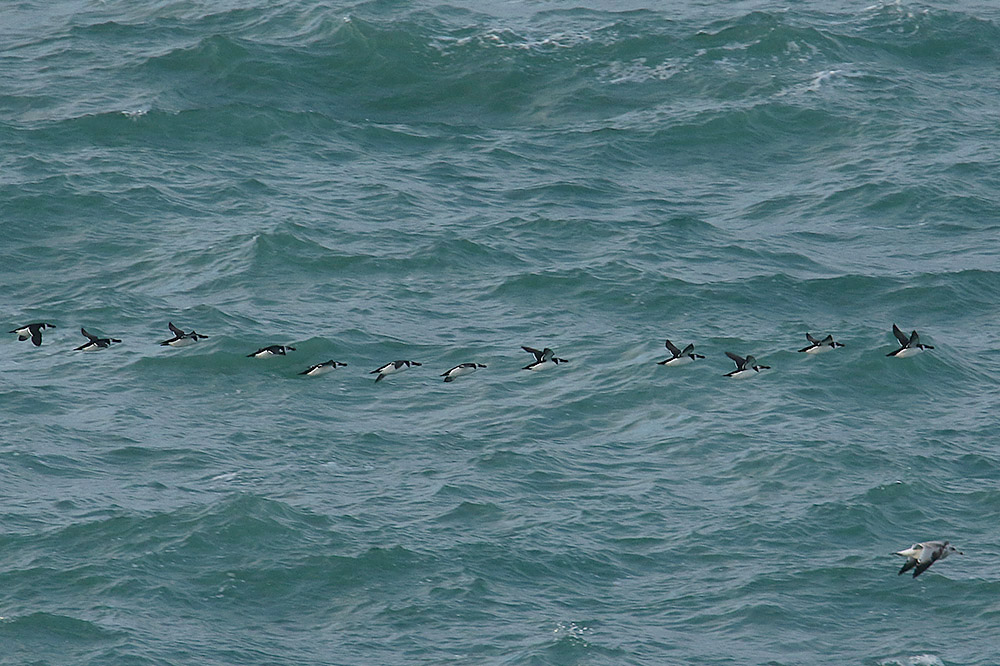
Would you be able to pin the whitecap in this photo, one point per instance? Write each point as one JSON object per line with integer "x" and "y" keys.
{"x": 822, "y": 77}
{"x": 915, "y": 660}
{"x": 637, "y": 71}
{"x": 571, "y": 630}
{"x": 820, "y": 81}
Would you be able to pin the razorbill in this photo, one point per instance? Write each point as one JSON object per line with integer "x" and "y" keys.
{"x": 94, "y": 342}
{"x": 909, "y": 346}
{"x": 322, "y": 368}
{"x": 181, "y": 339}
{"x": 273, "y": 350}
{"x": 33, "y": 331}
{"x": 544, "y": 359}
{"x": 745, "y": 367}
{"x": 461, "y": 369}
{"x": 391, "y": 367}
{"x": 820, "y": 346}
{"x": 923, "y": 555}
{"x": 680, "y": 356}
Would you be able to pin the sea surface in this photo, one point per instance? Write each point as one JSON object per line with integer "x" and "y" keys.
{"x": 444, "y": 183}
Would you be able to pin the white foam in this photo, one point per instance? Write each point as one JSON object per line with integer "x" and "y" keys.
{"x": 915, "y": 660}
{"x": 637, "y": 71}
{"x": 821, "y": 81}
{"x": 508, "y": 39}
{"x": 572, "y": 630}
{"x": 822, "y": 77}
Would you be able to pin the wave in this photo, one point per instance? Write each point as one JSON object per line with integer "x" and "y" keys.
{"x": 444, "y": 62}
{"x": 53, "y": 627}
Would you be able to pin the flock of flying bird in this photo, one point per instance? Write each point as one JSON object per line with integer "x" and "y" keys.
{"x": 544, "y": 358}
{"x": 919, "y": 556}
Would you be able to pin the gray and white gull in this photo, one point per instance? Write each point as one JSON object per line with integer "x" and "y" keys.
{"x": 923, "y": 555}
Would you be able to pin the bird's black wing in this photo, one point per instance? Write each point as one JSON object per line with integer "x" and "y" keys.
{"x": 903, "y": 340}
{"x": 536, "y": 352}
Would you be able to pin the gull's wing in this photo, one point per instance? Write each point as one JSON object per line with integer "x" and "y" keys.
{"x": 930, "y": 554}
{"x": 932, "y": 550}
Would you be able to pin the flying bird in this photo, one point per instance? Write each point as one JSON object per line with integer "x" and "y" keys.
{"x": 820, "y": 346}
{"x": 745, "y": 367}
{"x": 908, "y": 346}
{"x": 680, "y": 356}
{"x": 923, "y": 555}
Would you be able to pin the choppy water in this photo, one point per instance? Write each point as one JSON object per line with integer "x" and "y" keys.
{"x": 444, "y": 183}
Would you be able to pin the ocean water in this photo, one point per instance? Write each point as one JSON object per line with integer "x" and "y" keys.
{"x": 447, "y": 182}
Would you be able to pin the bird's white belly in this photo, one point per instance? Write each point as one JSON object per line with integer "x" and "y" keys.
{"x": 819, "y": 350}
{"x": 909, "y": 351}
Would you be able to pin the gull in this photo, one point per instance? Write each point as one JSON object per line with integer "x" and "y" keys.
{"x": 923, "y": 555}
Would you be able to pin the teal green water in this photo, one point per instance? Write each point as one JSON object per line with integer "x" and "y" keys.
{"x": 445, "y": 183}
